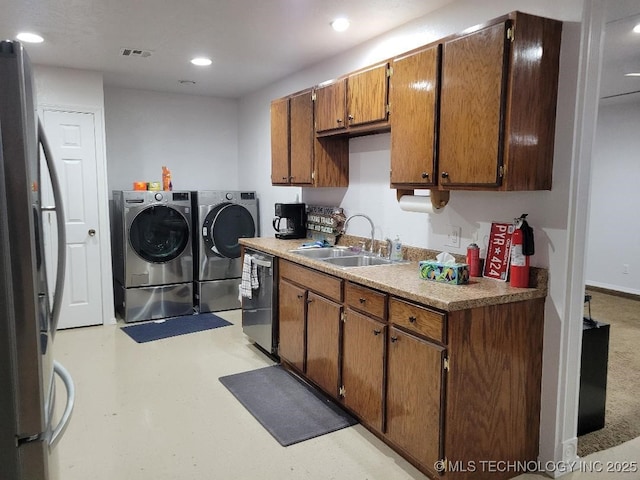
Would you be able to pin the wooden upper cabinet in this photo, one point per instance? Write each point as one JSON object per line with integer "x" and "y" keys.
{"x": 413, "y": 98}
{"x": 367, "y": 95}
{"x": 498, "y": 101}
{"x": 355, "y": 104}
{"x": 297, "y": 156}
{"x": 280, "y": 141}
{"x": 302, "y": 139}
{"x": 331, "y": 106}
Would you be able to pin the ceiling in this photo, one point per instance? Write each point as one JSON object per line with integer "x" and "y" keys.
{"x": 252, "y": 43}
{"x": 621, "y": 49}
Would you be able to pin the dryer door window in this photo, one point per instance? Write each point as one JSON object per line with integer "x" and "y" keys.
{"x": 224, "y": 226}
{"x": 159, "y": 234}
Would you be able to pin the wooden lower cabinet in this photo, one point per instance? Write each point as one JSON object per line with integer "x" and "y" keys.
{"x": 323, "y": 342}
{"x": 292, "y": 300}
{"x": 461, "y": 386}
{"x": 363, "y": 354}
{"x": 415, "y": 391}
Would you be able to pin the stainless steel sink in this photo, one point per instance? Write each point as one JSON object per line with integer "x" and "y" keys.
{"x": 357, "y": 261}
{"x": 322, "y": 253}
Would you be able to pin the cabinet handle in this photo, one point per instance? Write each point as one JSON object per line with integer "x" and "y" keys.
{"x": 362, "y": 300}
{"x": 377, "y": 332}
{"x": 425, "y": 175}
{"x": 350, "y": 118}
{"x": 394, "y": 339}
{"x": 284, "y": 178}
{"x": 309, "y": 300}
{"x": 300, "y": 296}
{"x": 445, "y": 174}
{"x": 291, "y": 178}
{"x": 412, "y": 319}
{"x": 339, "y": 120}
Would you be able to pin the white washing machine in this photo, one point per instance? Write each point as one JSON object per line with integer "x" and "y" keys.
{"x": 222, "y": 218}
{"x": 152, "y": 254}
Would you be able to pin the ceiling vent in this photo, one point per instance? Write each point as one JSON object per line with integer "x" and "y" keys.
{"x": 135, "y": 52}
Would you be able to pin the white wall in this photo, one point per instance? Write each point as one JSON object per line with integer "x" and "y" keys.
{"x": 369, "y": 191}
{"x": 614, "y": 230}
{"x": 195, "y": 137}
{"x": 68, "y": 87}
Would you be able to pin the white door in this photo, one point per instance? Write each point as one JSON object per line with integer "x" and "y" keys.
{"x": 72, "y": 139}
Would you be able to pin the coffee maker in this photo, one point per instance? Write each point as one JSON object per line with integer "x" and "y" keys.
{"x": 290, "y": 221}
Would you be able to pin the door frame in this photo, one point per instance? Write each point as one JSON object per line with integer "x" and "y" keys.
{"x": 104, "y": 225}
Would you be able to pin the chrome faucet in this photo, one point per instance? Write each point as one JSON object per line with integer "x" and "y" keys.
{"x": 344, "y": 228}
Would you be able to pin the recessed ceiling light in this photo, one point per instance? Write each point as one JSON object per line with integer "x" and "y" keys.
{"x": 340, "y": 24}
{"x": 29, "y": 37}
{"x": 201, "y": 61}
{"x": 636, "y": 29}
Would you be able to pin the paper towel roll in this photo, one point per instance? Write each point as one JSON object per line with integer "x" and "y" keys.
{"x": 417, "y": 203}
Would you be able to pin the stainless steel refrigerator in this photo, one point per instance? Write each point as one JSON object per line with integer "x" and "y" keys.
{"x": 28, "y": 317}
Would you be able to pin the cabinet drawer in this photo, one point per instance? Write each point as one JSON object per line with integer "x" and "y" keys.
{"x": 326, "y": 285}
{"x": 366, "y": 300}
{"x": 421, "y": 320}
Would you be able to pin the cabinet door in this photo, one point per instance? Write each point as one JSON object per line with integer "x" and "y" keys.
{"x": 414, "y": 396}
{"x": 280, "y": 141}
{"x": 323, "y": 327}
{"x": 367, "y": 96}
{"x": 292, "y": 329}
{"x": 474, "y": 74}
{"x": 363, "y": 348}
{"x": 414, "y": 84}
{"x": 302, "y": 138}
{"x": 330, "y": 106}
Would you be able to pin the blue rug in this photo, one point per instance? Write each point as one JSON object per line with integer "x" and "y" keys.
{"x": 171, "y": 327}
{"x": 289, "y": 409}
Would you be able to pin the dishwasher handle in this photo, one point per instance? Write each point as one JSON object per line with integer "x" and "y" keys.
{"x": 261, "y": 263}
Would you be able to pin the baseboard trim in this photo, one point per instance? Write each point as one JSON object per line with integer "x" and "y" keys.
{"x": 609, "y": 291}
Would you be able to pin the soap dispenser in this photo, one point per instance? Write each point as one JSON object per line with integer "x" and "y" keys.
{"x": 396, "y": 250}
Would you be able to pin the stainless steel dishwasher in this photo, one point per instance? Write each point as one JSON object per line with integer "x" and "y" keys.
{"x": 260, "y": 312}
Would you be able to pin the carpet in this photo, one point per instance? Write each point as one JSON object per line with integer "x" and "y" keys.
{"x": 171, "y": 327}
{"x": 289, "y": 409}
{"x": 622, "y": 422}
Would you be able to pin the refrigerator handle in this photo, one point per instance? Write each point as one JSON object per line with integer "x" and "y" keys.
{"x": 62, "y": 247}
{"x": 71, "y": 400}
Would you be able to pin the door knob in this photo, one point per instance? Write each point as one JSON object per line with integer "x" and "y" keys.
{"x": 92, "y": 232}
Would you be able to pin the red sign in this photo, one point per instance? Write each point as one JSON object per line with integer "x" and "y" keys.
{"x": 496, "y": 265}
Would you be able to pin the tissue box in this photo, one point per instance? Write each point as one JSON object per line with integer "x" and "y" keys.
{"x": 454, "y": 273}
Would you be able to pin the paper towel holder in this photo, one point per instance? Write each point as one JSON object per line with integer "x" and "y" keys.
{"x": 439, "y": 198}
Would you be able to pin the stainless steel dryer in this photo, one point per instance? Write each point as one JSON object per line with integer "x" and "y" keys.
{"x": 153, "y": 254}
{"x": 222, "y": 217}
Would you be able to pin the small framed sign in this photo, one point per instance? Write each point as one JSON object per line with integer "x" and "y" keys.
{"x": 496, "y": 264}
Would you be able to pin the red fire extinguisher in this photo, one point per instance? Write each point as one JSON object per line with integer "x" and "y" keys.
{"x": 522, "y": 248}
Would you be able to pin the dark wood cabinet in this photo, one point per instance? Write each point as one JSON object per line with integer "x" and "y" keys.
{"x": 415, "y": 390}
{"x": 352, "y": 104}
{"x": 297, "y": 157}
{"x": 331, "y": 107}
{"x": 367, "y": 92}
{"x": 475, "y": 111}
{"x": 292, "y": 302}
{"x": 413, "y": 95}
{"x": 364, "y": 333}
{"x": 462, "y": 386}
{"x": 280, "y": 141}
{"x": 323, "y": 342}
{"x": 498, "y": 102}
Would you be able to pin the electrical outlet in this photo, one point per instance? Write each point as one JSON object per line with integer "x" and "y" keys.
{"x": 625, "y": 268}
{"x": 453, "y": 237}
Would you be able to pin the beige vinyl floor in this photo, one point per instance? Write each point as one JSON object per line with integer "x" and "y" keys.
{"x": 157, "y": 411}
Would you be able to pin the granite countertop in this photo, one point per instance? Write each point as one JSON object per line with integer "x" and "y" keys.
{"x": 403, "y": 280}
